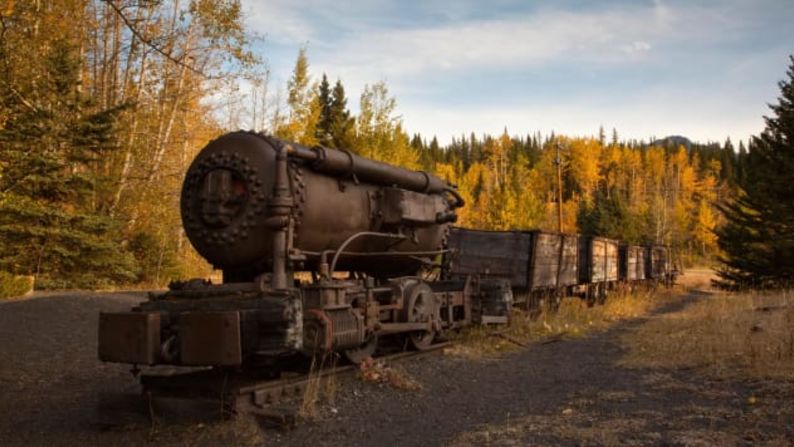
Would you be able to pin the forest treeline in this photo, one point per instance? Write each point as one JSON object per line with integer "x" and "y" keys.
{"x": 664, "y": 191}
{"x": 104, "y": 103}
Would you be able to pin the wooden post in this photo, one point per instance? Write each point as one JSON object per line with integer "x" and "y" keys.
{"x": 558, "y": 162}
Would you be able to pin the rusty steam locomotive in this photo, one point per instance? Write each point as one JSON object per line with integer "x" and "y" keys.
{"x": 324, "y": 251}
{"x": 321, "y": 251}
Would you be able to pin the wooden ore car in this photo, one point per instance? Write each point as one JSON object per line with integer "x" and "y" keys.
{"x": 659, "y": 266}
{"x": 598, "y": 267}
{"x": 632, "y": 263}
{"x": 538, "y": 264}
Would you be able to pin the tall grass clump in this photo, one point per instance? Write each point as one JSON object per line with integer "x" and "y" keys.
{"x": 13, "y": 285}
{"x": 749, "y": 334}
{"x": 573, "y": 318}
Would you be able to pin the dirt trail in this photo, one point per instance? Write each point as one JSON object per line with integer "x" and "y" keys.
{"x": 54, "y": 392}
{"x": 561, "y": 393}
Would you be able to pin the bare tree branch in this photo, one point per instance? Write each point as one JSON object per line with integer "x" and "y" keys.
{"x": 148, "y": 42}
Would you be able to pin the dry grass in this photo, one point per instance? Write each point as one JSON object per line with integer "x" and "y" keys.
{"x": 572, "y": 319}
{"x": 243, "y": 431}
{"x": 14, "y": 286}
{"x": 698, "y": 416}
{"x": 697, "y": 278}
{"x": 569, "y": 427}
{"x": 728, "y": 335}
{"x": 378, "y": 372}
{"x": 321, "y": 387}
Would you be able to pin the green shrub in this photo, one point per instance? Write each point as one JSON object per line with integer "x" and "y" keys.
{"x": 13, "y": 285}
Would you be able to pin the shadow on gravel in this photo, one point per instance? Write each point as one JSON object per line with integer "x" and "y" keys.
{"x": 55, "y": 392}
{"x": 619, "y": 406}
{"x": 568, "y": 393}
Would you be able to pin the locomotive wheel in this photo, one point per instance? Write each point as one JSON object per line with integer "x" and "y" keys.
{"x": 422, "y": 307}
{"x": 363, "y": 352}
{"x": 421, "y": 340}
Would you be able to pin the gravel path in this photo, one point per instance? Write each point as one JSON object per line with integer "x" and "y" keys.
{"x": 53, "y": 391}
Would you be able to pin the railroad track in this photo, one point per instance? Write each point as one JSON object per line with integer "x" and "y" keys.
{"x": 267, "y": 398}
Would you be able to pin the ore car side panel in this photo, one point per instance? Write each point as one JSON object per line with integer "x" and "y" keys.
{"x": 545, "y": 260}
{"x": 502, "y": 254}
{"x": 569, "y": 273}
{"x": 598, "y": 260}
{"x": 554, "y": 260}
{"x": 611, "y": 260}
{"x": 631, "y": 263}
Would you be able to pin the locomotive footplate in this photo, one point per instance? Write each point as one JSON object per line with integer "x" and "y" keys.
{"x": 129, "y": 337}
{"x": 203, "y": 338}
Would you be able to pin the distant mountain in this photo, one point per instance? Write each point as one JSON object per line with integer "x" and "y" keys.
{"x": 675, "y": 141}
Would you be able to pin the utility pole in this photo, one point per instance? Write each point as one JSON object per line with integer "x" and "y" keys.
{"x": 558, "y": 162}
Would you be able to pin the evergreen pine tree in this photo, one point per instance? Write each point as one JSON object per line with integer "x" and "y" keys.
{"x": 609, "y": 216}
{"x": 51, "y": 141}
{"x": 324, "y": 132}
{"x": 340, "y": 122}
{"x": 435, "y": 149}
{"x": 728, "y": 162}
{"x": 741, "y": 161}
{"x": 758, "y": 236}
{"x": 417, "y": 143}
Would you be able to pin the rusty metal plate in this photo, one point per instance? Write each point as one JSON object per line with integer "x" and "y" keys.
{"x": 129, "y": 337}
{"x": 210, "y": 338}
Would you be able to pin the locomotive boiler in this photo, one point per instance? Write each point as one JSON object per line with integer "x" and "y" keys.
{"x": 321, "y": 251}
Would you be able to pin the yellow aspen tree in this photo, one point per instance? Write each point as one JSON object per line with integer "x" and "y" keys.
{"x": 584, "y": 164}
{"x": 304, "y": 105}
{"x": 704, "y": 228}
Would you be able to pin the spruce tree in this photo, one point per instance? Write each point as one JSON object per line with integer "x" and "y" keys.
{"x": 728, "y": 162}
{"x": 324, "y": 131}
{"x": 339, "y": 120}
{"x": 609, "y": 216}
{"x": 52, "y": 139}
{"x": 741, "y": 162}
{"x": 758, "y": 236}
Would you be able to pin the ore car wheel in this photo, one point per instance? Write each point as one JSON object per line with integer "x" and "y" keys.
{"x": 554, "y": 299}
{"x": 422, "y": 307}
{"x": 590, "y": 295}
{"x": 602, "y": 294}
{"x": 363, "y": 352}
{"x": 534, "y": 305}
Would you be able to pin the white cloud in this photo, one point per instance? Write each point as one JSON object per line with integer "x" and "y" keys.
{"x": 297, "y": 22}
{"x": 514, "y": 42}
{"x": 367, "y": 41}
{"x": 636, "y": 47}
{"x": 360, "y": 51}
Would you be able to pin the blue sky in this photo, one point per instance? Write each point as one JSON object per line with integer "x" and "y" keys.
{"x": 702, "y": 69}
